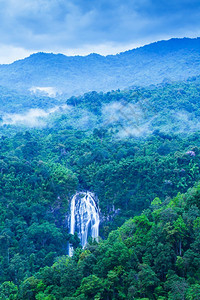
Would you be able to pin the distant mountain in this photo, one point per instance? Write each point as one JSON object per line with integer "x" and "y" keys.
{"x": 55, "y": 74}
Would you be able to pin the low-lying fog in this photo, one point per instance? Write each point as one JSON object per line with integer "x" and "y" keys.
{"x": 129, "y": 119}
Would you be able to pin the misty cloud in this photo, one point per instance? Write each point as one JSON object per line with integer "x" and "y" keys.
{"x": 134, "y": 120}
{"x": 137, "y": 131}
{"x": 31, "y": 118}
{"x": 185, "y": 122}
{"x": 131, "y": 119}
{"x": 123, "y": 112}
{"x": 49, "y": 90}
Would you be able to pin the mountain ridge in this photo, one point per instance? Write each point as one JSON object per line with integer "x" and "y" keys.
{"x": 184, "y": 40}
{"x": 174, "y": 60}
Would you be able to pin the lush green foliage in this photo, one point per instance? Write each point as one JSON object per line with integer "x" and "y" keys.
{"x": 155, "y": 255}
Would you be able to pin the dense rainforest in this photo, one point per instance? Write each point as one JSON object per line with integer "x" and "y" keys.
{"x": 152, "y": 256}
{"x": 138, "y": 150}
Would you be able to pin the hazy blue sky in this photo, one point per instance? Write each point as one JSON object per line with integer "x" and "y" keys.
{"x": 85, "y": 26}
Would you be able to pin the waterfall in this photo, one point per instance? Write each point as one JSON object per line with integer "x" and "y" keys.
{"x": 84, "y": 218}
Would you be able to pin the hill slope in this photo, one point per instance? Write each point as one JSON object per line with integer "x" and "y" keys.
{"x": 175, "y": 59}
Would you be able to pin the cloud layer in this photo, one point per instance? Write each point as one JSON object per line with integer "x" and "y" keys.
{"x": 65, "y": 25}
{"x": 31, "y": 118}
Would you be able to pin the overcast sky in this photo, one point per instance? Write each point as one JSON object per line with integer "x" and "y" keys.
{"x": 85, "y": 26}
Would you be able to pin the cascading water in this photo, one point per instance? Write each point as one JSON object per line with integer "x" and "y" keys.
{"x": 84, "y": 218}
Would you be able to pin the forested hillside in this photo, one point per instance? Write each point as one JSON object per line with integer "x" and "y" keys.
{"x": 136, "y": 149}
{"x": 152, "y": 256}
